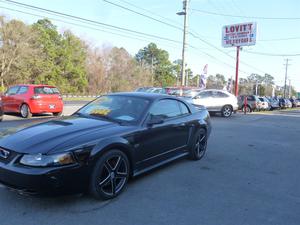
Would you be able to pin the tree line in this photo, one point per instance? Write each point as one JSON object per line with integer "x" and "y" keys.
{"x": 262, "y": 85}
{"x": 39, "y": 54}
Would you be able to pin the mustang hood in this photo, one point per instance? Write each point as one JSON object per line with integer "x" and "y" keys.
{"x": 44, "y": 137}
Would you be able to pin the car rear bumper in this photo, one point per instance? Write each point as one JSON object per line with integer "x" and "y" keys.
{"x": 45, "y": 181}
{"x": 42, "y": 107}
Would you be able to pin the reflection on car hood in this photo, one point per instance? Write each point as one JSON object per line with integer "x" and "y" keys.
{"x": 48, "y": 136}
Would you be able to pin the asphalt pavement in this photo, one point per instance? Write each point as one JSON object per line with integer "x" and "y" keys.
{"x": 249, "y": 176}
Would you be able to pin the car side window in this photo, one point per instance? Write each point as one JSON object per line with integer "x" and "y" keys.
{"x": 23, "y": 90}
{"x": 218, "y": 94}
{"x": 250, "y": 98}
{"x": 12, "y": 90}
{"x": 184, "y": 108}
{"x": 205, "y": 94}
{"x": 166, "y": 108}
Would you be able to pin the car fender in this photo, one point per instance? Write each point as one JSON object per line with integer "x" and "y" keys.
{"x": 112, "y": 143}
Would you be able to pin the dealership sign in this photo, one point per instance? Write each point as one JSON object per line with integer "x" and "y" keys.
{"x": 243, "y": 34}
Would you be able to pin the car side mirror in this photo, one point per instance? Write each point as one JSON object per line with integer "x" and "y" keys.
{"x": 155, "y": 120}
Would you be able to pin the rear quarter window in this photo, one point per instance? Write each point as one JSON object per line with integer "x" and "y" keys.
{"x": 184, "y": 108}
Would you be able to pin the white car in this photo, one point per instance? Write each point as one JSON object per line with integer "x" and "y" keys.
{"x": 216, "y": 101}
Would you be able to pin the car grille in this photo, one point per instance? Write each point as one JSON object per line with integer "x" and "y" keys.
{"x": 6, "y": 155}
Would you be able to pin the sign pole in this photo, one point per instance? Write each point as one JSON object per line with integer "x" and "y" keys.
{"x": 237, "y": 71}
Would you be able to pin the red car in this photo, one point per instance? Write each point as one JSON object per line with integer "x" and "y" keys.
{"x": 28, "y": 99}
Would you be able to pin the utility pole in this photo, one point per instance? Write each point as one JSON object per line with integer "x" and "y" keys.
{"x": 290, "y": 88}
{"x": 236, "y": 86}
{"x": 256, "y": 85}
{"x": 286, "y": 69}
{"x": 185, "y": 14}
{"x": 152, "y": 69}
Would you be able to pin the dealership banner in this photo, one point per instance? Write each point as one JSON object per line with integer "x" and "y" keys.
{"x": 203, "y": 77}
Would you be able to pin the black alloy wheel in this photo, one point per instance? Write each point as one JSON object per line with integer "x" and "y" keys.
{"x": 110, "y": 175}
{"x": 199, "y": 148}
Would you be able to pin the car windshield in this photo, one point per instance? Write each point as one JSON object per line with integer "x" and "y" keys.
{"x": 116, "y": 108}
{"x": 46, "y": 90}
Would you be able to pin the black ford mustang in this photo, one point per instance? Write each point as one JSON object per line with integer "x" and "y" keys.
{"x": 102, "y": 145}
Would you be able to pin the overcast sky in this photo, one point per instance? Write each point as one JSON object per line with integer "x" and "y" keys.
{"x": 274, "y": 36}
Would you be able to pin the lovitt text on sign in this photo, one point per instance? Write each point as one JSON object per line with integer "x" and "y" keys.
{"x": 243, "y": 34}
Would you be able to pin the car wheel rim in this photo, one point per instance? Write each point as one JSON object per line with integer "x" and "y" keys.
{"x": 113, "y": 176}
{"x": 200, "y": 145}
{"x": 24, "y": 111}
{"x": 227, "y": 111}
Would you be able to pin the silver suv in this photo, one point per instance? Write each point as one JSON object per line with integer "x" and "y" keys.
{"x": 216, "y": 101}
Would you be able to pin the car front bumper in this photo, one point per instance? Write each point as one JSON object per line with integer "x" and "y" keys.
{"x": 45, "y": 181}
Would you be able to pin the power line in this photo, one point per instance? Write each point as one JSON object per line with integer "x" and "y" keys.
{"x": 108, "y": 26}
{"x": 213, "y": 57}
{"x": 272, "y": 54}
{"x": 141, "y": 14}
{"x": 246, "y": 17}
{"x": 93, "y": 21}
{"x": 225, "y": 53}
{"x": 84, "y": 26}
{"x": 150, "y": 12}
{"x": 281, "y": 39}
{"x": 192, "y": 34}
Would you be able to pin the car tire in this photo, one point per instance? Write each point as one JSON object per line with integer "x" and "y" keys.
{"x": 25, "y": 111}
{"x": 248, "y": 109}
{"x": 199, "y": 147}
{"x": 57, "y": 114}
{"x": 226, "y": 111}
{"x": 110, "y": 175}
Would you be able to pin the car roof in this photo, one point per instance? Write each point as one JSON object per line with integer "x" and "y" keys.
{"x": 33, "y": 85}
{"x": 146, "y": 95}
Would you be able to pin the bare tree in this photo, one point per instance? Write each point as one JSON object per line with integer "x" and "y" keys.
{"x": 17, "y": 40}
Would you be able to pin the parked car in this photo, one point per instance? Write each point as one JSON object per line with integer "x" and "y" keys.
{"x": 103, "y": 144}
{"x": 1, "y": 110}
{"x": 283, "y": 103}
{"x": 298, "y": 102}
{"x": 158, "y": 91}
{"x": 274, "y": 103}
{"x": 28, "y": 99}
{"x": 152, "y": 90}
{"x": 192, "y": 92}
{"x": 264, "y": 103}
{"x": 295, "y": 102}
{"x": 216, "y": 101}
{"x": 288, "y": 103}
{"x": 142, "y": 89}
{"x": 253, "y": 103}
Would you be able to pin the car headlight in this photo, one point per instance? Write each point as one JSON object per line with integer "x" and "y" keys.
{"x": 40, "y": 160}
